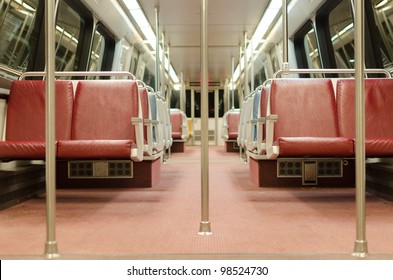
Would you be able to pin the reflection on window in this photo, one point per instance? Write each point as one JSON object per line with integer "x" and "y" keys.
{"x": 341, "y": 30}
{"x": 274, "y": 58}
{"x": 68, "y": 28}
{"x": 17, "y": 20}
{"x": 311, "y": 48}
{"x": 383, "y": 10}
{"x": 125, "y": 56}
{"x": 97, "y": 52}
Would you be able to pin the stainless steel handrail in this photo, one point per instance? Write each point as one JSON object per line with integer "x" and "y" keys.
{"x": 329, "y": 71}
{"x": 10, "y": 70}
{"x": 80, "y": 74}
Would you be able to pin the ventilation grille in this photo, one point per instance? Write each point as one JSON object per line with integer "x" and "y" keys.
{"x": 289, "y": 168}
{"x": 330, "y": 168}
{"x": 100, "y": 169}
{"x": 295, "y": 167}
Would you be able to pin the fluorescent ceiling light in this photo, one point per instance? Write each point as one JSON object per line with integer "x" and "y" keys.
{"x": 267, "y": 19}
{"x": 144, "y": 25}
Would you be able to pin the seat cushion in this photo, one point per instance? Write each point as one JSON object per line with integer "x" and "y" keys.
{"x": 379, "y": 147}
{"x": 94, "y": 149}
{"x": 22, "y": 149}
{"x": 315, "y": 146}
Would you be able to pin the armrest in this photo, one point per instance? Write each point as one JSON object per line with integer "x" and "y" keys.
{"x": 137, "y": 153}
{"x": 270, "y": 151}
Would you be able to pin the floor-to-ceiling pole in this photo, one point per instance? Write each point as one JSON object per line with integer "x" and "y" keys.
{"x": 246, "y": 88}
{"x": 157, "y": 66}
{"x": 285, "y": 63}
{"x": 51, "y": 249}
{"x": 360, "y": 243}
{"x": 204, "y": 228}
{"x": 233, "y": 85}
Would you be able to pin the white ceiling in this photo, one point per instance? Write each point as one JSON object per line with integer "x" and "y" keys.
{"x": 227, "y": 22}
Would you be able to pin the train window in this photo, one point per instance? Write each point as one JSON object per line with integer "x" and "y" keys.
{"x": 17, "y": 20}
{"x": 148, "y": 78}
{"x": 134, "y": 61}
{"x": 102, "y": 51}
{"x": 342, "y": 34}
{"x": 274, "y": 59}
{"x": 311, "y": 45}
{"x": 211, "y": 101}
{"x": 68, "y": 30}
{"x": 125, "y": 56}
{"x": 383, "y": 13}
{"x": 306, "y": 49}
{"x": 175, "y": 99}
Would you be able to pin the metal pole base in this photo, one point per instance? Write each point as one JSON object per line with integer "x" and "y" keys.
{"x": 51, "y": 250}
{"x": 204, "y": 229}
{"x": 361, "y": 249}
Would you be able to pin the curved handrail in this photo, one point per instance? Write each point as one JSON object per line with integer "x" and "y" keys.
{"x": 80, "y": 74}
{"x": 141, "y": 84}
{"x": 10, "y": 70}
{"x": 329, "y": 71}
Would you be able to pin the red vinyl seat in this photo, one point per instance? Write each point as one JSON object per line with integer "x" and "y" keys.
{"x": 307, "y": 124}
{"x": 378, "y": 117}
{"x": 233, "y": 118}
{"x": 179, "y": 125}
{"x": 106, "y": 122}
{"x": 25, "y": 126}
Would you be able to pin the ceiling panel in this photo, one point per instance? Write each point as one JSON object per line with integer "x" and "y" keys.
{"x": 227, "y": 22}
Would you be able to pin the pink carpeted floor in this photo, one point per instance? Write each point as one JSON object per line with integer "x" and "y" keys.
{"x": 163, "y": 221}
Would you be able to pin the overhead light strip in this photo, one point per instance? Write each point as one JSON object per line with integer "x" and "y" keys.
{"x": 144, "y": 25}
{"x": 267, "y": 19}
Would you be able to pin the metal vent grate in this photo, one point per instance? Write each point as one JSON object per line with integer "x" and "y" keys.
{"x": 100, "y": 169}
{"x": 120, "y": 169}
{"x": 80, "y": 169}
{"x": 289, "y": 168}
{"x": 330, "y": 168}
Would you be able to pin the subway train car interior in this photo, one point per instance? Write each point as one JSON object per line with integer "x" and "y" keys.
{"x": 211, "y": 129}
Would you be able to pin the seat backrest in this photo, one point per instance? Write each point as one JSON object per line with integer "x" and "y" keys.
{"x": 378, "y": 107}
{"x": 26, "y": 110}
{"x": 176, "y": 123}
{"x": 233, "y": 118}
{"x": 103, "y": 110}
{"x": 305, "y": 108}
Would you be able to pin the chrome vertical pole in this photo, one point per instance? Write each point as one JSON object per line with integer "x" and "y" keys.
{"x": 204, "y": 228}
{"x": 285, "y": 63}
{"x": 252, "y": 67}
{"x": 233, "y": 84}
{"x": 157, "y": 68}
{"x": 246, "y": 88}
{"x": 182, "y": 92}
{"x": 361, "y": 249}
{"x": 193, "y": 115}
{"x": 51, "y": 250}
{"x": 216, "y": 115}
{"x": 162, "y": 76}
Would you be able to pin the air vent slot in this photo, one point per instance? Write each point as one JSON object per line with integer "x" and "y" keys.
{"x": 100, "y": 169}
{"x": 289, "y": 168}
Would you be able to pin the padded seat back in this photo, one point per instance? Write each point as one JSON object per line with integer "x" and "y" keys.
{"x": 305, "y": 108}
{"x": 26, "y": 110}
{"x": 233, "y": 118}
{"x": 378, "y": 106}
{"x": 103, "y": 110}
{"x": 176, "y": 123}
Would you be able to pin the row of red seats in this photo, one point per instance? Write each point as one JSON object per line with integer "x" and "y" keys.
{"x": 309, "y": 118}
{"x": 104, "y": 119}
